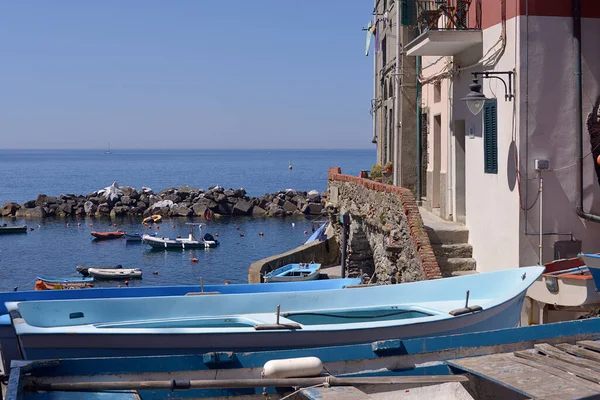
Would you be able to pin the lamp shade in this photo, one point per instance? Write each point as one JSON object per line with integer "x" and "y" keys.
{"x": 475, "y": 99}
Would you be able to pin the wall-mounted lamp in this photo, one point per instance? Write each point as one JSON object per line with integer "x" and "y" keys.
{"x": 475, "y": 99}
{"x": 374, "y": 140}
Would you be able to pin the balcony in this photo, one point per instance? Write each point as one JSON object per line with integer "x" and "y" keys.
{"x": 444, "y": 27}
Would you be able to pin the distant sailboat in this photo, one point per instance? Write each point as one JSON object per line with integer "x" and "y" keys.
{"x": 290, "y": 167}
{"x": 108, "y": 151}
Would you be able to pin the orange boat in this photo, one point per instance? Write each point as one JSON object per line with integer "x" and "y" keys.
{"x": 41, "y": 285}
{"x": 107, "y": 235}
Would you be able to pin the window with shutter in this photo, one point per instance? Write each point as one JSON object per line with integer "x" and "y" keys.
{"x": 490, "y": 136}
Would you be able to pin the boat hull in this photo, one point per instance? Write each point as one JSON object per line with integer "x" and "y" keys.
{"x": 116, "y": 273}
{"x": 157, "y": 243}
{"x": 107, "y": 235}
{"x": 113, "y": 345}
{"x": 5, "y": 230}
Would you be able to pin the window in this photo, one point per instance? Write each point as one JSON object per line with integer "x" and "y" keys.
{"x": 490, "y": 136}
{"x": 437, "y": 92}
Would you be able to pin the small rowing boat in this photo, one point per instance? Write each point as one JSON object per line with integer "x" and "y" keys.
{"x": 107, "y": 235}
{"x": 294, "y": 273}
{"x": 4, "y": 229}
{"x": 66, "y": 280}
{"x": 46, "y": 283}
{"x": 152, "y": 219}
{"x": 83, "y": 269}
{"x": 191, "y": 242}
{"x": 121, "y": 273}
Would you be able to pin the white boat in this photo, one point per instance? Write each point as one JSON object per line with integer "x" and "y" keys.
{"x": 191, "y": 242}
{"x": 124, "y": 273}
{"x": 262, "y": 321}
{"x": 294, "y": 273}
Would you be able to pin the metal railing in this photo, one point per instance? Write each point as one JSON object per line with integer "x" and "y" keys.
{"x": 444, "y": 14}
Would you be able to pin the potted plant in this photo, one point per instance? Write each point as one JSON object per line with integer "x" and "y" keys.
{"x": 376, "y": 171}
{"x": 388, "y": 167}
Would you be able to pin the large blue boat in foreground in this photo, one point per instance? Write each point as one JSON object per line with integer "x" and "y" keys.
{"x": 261, "y": 321}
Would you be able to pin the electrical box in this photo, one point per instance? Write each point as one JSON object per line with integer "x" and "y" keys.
{"x": 541, "y": 165}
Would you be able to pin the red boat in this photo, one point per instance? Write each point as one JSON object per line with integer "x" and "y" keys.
{"x": 107, "y": 235}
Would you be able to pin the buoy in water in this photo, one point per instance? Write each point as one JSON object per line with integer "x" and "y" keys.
{"x": 261, "y": 234}
{"x": 241, "y": 234}
{"x": 126, "y": 283}
{"x": 155, "y": 272}
{"x": 157, "y": 227}
{"x": 238, "y": 228}
{"x": 226, "y": 283}
{"x": 92, "y": 225}
{"x": 194, "y": 260}
{"x": 119, "y": 286}
{"x": 216, "y": 234}
{"x": 305, "y": 232}
{"x": 114, "y": 224}
{"x": 31, "y": 229}
{"x": 79, "y": 224}
{"x": 173, "y": 227}
{"x": 68, "y": 224}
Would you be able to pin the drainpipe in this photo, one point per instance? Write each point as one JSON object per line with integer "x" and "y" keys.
{"x": 396, "y": 158}
{"x": 419, "y": 144}
{"x": 579, "y": 114}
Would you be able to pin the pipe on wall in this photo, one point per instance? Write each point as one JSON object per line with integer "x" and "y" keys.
{"x": 579, "y": 113}
{"x": 419, "y": 138}
{"x": 397, "y": 148}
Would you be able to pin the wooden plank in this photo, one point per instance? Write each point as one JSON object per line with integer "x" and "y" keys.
{"x": 561, "y": 355}
{"x": 589, "y": 344}
{"x": 579, "y": 351}
{"x": 575, "y": 381}
{"x": 562, "y": 365}
{"x": 332, "y": 393}
{"x": 509, "y": 372}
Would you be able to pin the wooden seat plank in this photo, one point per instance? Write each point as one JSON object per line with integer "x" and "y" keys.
{"x": 589, "y": 344}
{"x": 563, "y": 356}
{"x": 525, "y": 378}
{"x": 567, "y": 367}
{"x": 579, "y": 351}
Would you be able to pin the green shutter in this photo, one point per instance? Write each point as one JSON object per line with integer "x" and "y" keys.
{"x": 490, "y": 138}
{"x": 409, "y": 12}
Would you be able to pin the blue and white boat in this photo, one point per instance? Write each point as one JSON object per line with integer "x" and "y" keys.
{"x": 8, "y": 342}
{"x": 197, "y": 324}
{"x": 592, "y": 261}
{"x": 294, "y": 273}
{"x": 425, "y": 358}
{"x": 318, "y": 235}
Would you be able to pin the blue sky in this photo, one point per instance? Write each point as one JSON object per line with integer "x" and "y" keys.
{"x": 185, "y": 74}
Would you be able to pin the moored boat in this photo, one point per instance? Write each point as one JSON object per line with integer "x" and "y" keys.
{"x": 115, "y": 273}
{"x": 66, "y": 280}
{"x": 136, "y": 237}
{"x": 8, "y": 342}
{"x": 191, "y": 242}
{"x": 196, "y": 324}
{"x": 6, "y": 229}
{"x": 294, "y": 273}
{"x": 83, "y": 269}
{"x": 152, "y": 219}
{"x": 107, "y": 235}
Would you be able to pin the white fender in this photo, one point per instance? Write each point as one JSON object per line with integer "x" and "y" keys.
{"x": 292, "y": 368}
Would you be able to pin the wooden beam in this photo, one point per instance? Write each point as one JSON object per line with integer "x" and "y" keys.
{"x": 561, "y": 355}
{"x": 562, "y": 365}
{"x": 579, "y": 351}
{"x": 577, "y": 382}
{"x": 590, "y": 344}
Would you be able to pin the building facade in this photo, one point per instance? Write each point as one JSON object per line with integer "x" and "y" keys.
{"x": 522, "y": 174}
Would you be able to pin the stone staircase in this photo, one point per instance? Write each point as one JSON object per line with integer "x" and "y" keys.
{"x": 450, "y": 242}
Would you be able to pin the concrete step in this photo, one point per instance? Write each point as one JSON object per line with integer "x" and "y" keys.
{"x": 452, "y": 234}
{"x": 450, "y": 265}
{"x": 461, "y": 273}
{"x": 454, "y": 250}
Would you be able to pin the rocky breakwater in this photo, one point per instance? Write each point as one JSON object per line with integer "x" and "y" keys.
{"x": 184, "y": 201}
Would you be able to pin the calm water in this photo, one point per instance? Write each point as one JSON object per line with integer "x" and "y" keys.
{"x": 54, "y": 249}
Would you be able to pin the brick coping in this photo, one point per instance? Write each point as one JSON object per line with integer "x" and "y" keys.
{"x": 411, "y": 209}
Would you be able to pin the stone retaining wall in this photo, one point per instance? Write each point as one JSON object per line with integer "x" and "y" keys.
{"x": 325, "y": 252}
{"x": 387, "y": 241}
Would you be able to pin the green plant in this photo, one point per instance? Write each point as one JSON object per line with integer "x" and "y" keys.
{"x": 388, "y": 166}
{"x": 376, "y": 171}
{"x": 390, "y": 182}
{"x": 382, "y": 219}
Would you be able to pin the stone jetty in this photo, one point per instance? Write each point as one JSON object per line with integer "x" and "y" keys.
{"x": 184, "y": 201}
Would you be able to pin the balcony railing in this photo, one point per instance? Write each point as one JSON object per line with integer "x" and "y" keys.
{"x": 444, "y": 14}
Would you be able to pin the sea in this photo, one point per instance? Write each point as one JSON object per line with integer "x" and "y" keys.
{"x": 54, "y": 247}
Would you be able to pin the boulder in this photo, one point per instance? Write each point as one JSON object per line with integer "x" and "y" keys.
{"x": 314, "y": 196}
{"x": 275, "y": 210}
{"x": 239, "y": 193}
{"x": 242, "y": 207}
{"x": 224, "y": 209}
{"x": 258, "y": 211}
{"x": 103, "y": 209}
{"x": 35, "y": 212}
{"x": 9, "y": 209}
{"x": 111, "y": 193}
{"x": 216, "y": 189}
{"x": 136, "y": 210}
{"x": 152, "y": 200}
{"x": 162, "y": 204}
{"x": 208, "y": 195}
{"x": 313, "y": 208}
{"x": 147, "y": 190}
{"x": 175, "y": 197}
{"x": 288, "y": 206}
{"x": 96, "y": 200}
{"x": 229, "y": 193}
{"x": 181, "y": 210}
{"x": 118, "y": 211}
{"x": 232, "y": 200}
{"x": 80, "y": 211}
{"x": 142, "y": 205}
{"x": 220, "y": 198}
{"x": 130, "y": 192}
{"x": 127, "y": 201}
{"x": 89, "y": 207}
{"x": 64, "y": 210}
{"x": 200, "y": 208}
{"x": 41, "y": 200}
{"x": 29, "y": 204}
